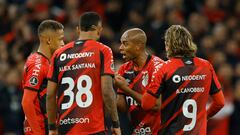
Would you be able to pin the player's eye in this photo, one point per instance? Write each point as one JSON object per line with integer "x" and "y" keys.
{"x": 125, "y": 43}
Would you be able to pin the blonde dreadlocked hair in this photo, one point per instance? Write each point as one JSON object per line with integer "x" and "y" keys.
{"x": 178, "y": 41}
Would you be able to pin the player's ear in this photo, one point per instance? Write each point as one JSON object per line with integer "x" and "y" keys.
{"x": 78, "y": 30}
{"x": 138, "y": 48}
{"x": 48, "y": 40}
{"x": 99, "y": 30}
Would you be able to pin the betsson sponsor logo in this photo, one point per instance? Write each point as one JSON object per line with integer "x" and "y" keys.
{"x": 74, "y": 121}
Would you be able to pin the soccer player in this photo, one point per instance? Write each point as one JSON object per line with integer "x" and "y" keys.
{"x": 137, "y": 71}
{"x": 81, "y": 77}
{"x": 51, "y": 35}
{"x": 184, "y": 83}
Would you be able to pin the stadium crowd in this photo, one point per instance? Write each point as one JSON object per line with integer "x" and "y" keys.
{"x": 214, "y": 24}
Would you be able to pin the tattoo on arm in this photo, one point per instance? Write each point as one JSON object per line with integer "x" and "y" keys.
{"x": 109, "y": 97}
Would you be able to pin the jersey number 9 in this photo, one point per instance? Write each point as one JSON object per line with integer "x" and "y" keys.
{"x": 191, "y": 115}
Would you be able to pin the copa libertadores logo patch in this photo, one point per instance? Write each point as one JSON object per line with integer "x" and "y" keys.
{"x": 33, "y": 81}
{"x": 112, "y": 66}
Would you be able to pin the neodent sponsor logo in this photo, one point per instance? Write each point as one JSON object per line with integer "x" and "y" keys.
{"x": 75, "y": 55}
{"x": 177, "y": 78}
{"x": 74, "y": 121}
{"x": 193, "y": 77}
{"x": 80, "y": 55}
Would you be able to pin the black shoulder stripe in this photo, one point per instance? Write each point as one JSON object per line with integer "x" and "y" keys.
{"x": 213, "y": 88}
{"x": 29, "y": 88}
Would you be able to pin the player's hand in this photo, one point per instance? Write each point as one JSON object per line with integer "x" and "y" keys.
{"x": 120, "y": 81}
{"x": 53, "y": 132}
{"x": 116, "y": 131}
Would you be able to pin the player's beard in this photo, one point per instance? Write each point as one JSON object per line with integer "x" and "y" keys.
{"x": 126, "y": 59}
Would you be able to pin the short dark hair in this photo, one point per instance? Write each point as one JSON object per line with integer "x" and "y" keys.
{"x": 89, "y": 19}
{"x": 49, "y": 25}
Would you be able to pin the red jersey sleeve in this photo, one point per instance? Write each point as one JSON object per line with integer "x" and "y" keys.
{"x": 154, "y": 88}
{"x": 217, "y": 104}
{"x": 53, "y": 71}
{"x": 35, "y": 75}
{"x": 107, "y": 63}
{"x": 215, "y": 84}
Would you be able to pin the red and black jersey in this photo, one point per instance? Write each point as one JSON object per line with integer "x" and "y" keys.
{"x": 185, "y": 84}
{"x": 77, "y": 68}
{"x": 144, "y": 122}
{"x": 35, "y": 78}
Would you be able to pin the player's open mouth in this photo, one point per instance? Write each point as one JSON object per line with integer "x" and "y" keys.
{"x": 123, "y": 55}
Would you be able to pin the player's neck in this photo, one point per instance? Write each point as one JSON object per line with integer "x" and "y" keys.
{"x": 140, "y": 61}
{"x": 88, "y": 35}
{"x": 45, "y": 51}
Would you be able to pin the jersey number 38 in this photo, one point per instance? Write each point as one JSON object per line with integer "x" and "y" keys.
{"x": 81, "y": 90}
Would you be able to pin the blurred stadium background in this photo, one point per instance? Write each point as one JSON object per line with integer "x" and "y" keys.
{"x": 214, "y": 24}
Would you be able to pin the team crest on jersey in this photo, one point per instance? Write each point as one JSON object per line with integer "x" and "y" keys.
{"x": 33, "y": 81}
{"x": 145, "y": 78}
{"x": 112, "y": 66}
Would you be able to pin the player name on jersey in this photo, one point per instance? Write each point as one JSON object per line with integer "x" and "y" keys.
{"x": 37, "y": 66}
{"x": 190, "y": 90}
{"x": 77, "y": 66}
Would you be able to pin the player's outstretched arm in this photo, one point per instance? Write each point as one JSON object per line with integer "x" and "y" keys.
{"x": 51, "y": 107}
{"x": 216, "y": 105}
{"x": 109, "y": 99}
